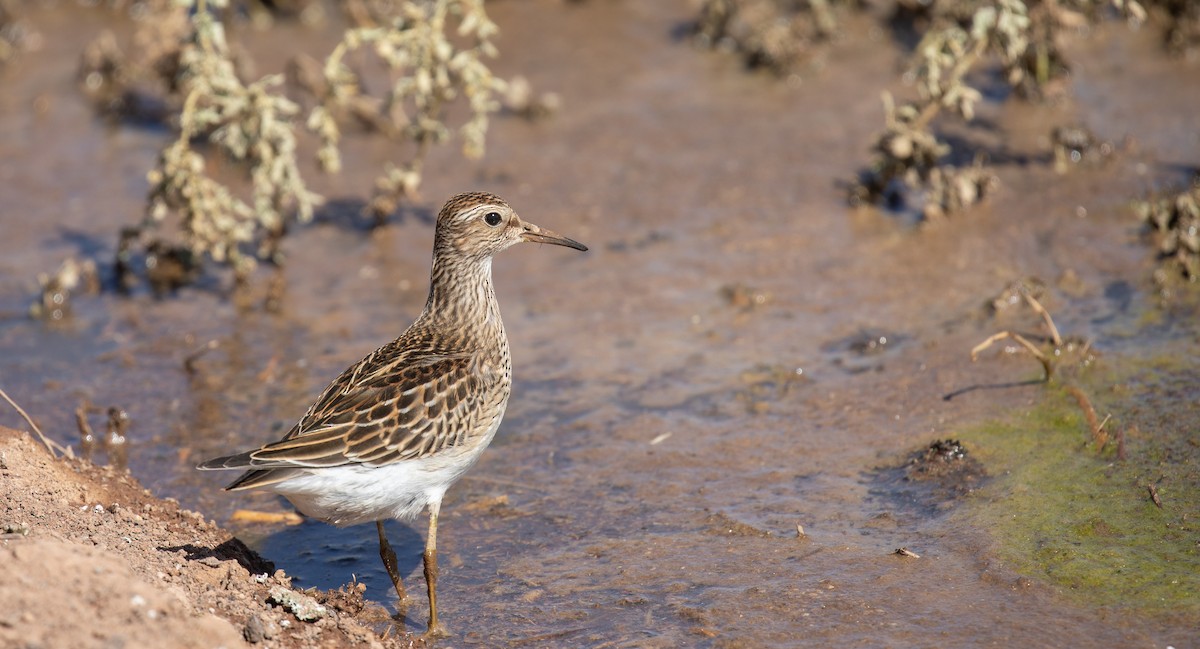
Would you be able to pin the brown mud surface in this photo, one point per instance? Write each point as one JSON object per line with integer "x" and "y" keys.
{"x": 738, "y": 354}
{"x": 92, "y": 559}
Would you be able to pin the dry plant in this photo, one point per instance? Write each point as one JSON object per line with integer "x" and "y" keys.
{"x": 54, "y": 447}
{"x": 429, "y": 69}
{"x": 14, "y": 34}
{"x": 249, "y": 123}
{"x": 908, "y": 152}
{"x": 1055, "y": 346}
{"x": 142, "y": 86}
{"x": 1181, "y": 34}
{"x": 183, "y": 64}
{"x": 1174, "y": 220}
{"x": 434, "y": 51}
{"x": 1043, "y": 66}
{"x": 1025, "y": 40}
{"x": 778, "y": 35}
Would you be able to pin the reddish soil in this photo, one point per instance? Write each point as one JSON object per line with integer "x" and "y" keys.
{"x": 92, "y": 559}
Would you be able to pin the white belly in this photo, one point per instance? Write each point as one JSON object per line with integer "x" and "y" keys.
{"x": 349, "y": 495}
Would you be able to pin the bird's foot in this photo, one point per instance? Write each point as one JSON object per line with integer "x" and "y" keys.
{"x": 435, "y": 632}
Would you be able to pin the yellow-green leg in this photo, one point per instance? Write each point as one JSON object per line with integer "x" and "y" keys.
{"x": 435, "y": 629}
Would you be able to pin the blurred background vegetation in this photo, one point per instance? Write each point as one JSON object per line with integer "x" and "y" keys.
{"x": 179, "y": 69}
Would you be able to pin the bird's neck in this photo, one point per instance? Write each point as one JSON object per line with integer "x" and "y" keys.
{"x": 461, "y": 295}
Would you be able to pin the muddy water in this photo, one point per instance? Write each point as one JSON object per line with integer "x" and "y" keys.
{"x": 664, "y": 440}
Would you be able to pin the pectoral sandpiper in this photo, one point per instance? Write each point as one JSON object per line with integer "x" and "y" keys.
{"x": 390, "y": 435}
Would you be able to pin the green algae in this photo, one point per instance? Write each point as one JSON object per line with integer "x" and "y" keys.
{"x": 1085, "y": 520}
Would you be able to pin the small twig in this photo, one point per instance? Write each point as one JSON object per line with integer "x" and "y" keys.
{"x": 1089, "y": 413}
{"x": 1154, "y": 495}
{"x": 189, "y": 363}
{"x": 1122, "y": 454}
{"x": 86, "y": 434}
{"x": 87, "y": 437}
{"x": 1041, "y": 310}
{"x": 52, "y": 446}
{"x": 1037, "y": 353}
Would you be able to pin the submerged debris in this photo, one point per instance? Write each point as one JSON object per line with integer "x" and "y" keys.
{"x": 519, "y": 99}
{"x": 54, "y": 299}
{"x": 1174, "y": 221}
{"x": 765, "y": 384}
{"x": 864, "y": 351}
{"x": 942, "y": 458}
{"x": 721, "y": 524}
{"x": 930, "y": 480}
{"x": 1076, "y": 145}
{"x": 777, "y": 35}
{"x": 746, "y": 298}
{"x": 348, "y": 599}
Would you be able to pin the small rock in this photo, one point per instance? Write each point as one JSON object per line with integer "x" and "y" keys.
{"x": 305, "y": 608}
{"x": 254, "y": 632}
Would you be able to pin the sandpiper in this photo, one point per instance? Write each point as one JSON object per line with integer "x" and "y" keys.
{"x": 390, "y": 435}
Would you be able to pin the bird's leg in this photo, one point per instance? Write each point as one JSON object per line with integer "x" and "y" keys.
{"x": 389, "y": 563}
{"x": 434, "y": 629}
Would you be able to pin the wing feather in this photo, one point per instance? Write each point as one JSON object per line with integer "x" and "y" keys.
{"x": 410, "y": 405}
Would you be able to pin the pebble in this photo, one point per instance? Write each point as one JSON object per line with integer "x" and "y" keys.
{"x": 254, "y": 631}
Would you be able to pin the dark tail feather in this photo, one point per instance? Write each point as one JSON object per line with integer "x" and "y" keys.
{"x": 252, "y": 479}
{"x": 258, "y": 478}
{"x": 239, "y": 461}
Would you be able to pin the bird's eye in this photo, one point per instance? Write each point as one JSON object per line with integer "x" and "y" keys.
{"x": 492, "y": 218}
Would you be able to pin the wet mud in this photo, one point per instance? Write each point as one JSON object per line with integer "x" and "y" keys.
{"x": 737, "y": 355}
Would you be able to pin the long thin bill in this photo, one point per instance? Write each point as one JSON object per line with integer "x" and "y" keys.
{"x": 536, "y": 234}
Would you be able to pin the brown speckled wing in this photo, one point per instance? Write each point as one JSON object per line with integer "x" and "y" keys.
{"x": 393, "y": 405}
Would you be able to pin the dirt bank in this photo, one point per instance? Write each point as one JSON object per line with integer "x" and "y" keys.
{"x": 91, "y": 559}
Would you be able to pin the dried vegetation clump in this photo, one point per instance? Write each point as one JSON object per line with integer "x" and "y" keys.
{"x": 183, "y": 63}
{"x": 777, "y": 35}
{"x": 14, "y": 34}
{"x": 913, "y": 166}
{"x": 908, "y": 154}
{"x": 1181, "y": 32}
{"x": 1052, "y": 349}
{"x": 429, "y": 69}
{"x": 184, "y": 72}
{"x": 249, "y": 123}
{"x": 1174, "y": 221}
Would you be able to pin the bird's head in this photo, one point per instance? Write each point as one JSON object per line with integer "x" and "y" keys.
{"x": 479, "y": 225}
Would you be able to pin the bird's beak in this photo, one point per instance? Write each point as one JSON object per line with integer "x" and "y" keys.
{"x": 542, "y": 235}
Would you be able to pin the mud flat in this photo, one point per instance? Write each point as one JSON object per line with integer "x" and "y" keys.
{"x": 92, "y": 559}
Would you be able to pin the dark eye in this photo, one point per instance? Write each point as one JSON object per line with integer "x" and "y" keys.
{"x": 492, "y": 218}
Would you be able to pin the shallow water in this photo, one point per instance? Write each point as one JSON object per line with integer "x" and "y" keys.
{"x": 663, "y": 441}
